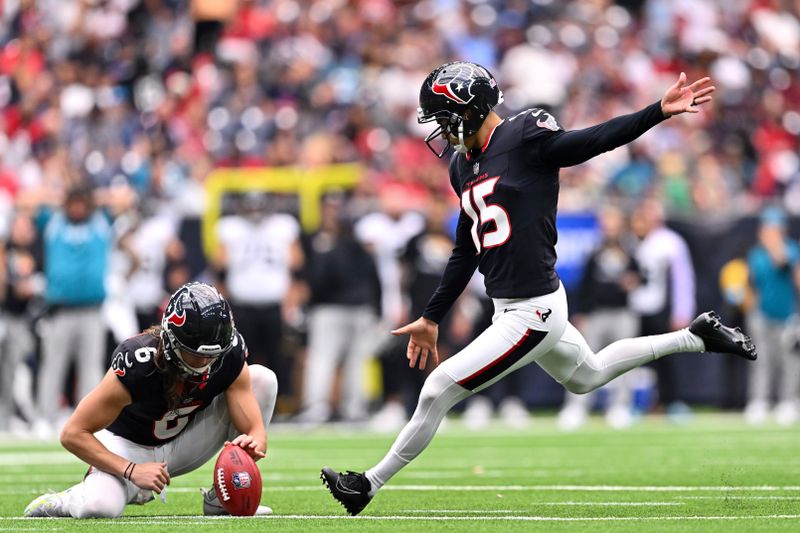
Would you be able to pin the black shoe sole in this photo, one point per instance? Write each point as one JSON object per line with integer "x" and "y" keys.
{"x": 323, "y": 475}
{"x": 735, "y": 341}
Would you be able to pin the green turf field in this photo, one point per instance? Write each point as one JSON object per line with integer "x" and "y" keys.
{"x": 713, "y": 474}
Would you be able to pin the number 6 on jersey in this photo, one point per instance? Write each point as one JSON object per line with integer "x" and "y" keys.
{"x": 476, "y": 197}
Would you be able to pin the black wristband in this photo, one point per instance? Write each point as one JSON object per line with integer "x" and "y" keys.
{"x": 128, "y": 471}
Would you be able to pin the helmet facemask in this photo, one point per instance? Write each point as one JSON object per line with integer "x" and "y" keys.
{"x": 450, "y": 126}
{"x": 213, "y": 354}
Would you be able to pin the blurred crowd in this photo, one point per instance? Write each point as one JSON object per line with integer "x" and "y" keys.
{"x": 114, "y": 112}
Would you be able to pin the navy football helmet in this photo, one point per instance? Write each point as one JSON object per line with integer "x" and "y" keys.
{"x": 446, "y": 95}
{"x": 197, "y": 321}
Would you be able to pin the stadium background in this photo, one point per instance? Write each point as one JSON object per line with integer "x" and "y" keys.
{"x": 176, "y": 107}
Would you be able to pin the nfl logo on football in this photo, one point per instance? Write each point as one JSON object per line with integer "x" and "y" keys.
{"x": 241, "y": 480}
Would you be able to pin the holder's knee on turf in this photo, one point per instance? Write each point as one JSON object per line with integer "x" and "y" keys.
{"x": 100, "y": 495}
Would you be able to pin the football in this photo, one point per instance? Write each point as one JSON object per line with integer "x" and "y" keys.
{"x": 237, "y": 481}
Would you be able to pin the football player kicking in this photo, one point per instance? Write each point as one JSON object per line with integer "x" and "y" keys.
{"x": 505, "y": 171}
{"x": 172, "y": 397}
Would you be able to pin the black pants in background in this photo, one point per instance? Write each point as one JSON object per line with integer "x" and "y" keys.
{"x": 262, "y": 329}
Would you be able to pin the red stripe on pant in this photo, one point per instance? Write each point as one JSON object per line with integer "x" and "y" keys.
{"x": 530, "y": 339}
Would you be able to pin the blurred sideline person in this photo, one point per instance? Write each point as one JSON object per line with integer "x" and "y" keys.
{"x": 386, "y": 233}
{"x": 173, "y": 396}
{"x": 343, "y": 310}
{"x": 665, "y": 300}
{"x": 774, "y": 267}
{"x": 422, "y": 262}
{"x": 505, "y": 172}
{"x": 77, "y": 243}
{"x": 259, "y": 252}
{"x": 737, "y": 303}
{"x": 604, "y": 316}
{"x": 21, "y": 283}
{"x": 153, "y": 240}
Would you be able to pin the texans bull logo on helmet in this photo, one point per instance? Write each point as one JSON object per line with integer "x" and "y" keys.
{"x": 455, "y": 83}
{"x": 178, "y": 315}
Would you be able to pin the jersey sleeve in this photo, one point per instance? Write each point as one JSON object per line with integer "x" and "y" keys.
{"x": 133, "y": 363}
{"x": 459, "y": 270}
{"x": 461, "y": 265}
{"x": 568, "y": 148}
{"x": 235, "y": 360}
{"x": 538, "y": 125}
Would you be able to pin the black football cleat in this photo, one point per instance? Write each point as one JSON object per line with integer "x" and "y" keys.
{"x": 351, "y": 489}
{"x": 720, "y": 338}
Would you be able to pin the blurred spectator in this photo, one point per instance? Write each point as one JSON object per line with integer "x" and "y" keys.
{"x": 143, "y": 91}
{"x": 343, "y": 310}
{"x": 774, "y": 265}
{"x": 665, "y": 301}
{"x": 156, "y": 95}
{"x": 385, "y": 233}
{"x": 737, "y": 303}
{"x": 603, "y": 316}
{"x": 77, "y": 241}
{"x": 152, "y": 239}
{"x": 22, "y": 283}
{"x": 421, "y": 263}
{"x": 259, "y": 252}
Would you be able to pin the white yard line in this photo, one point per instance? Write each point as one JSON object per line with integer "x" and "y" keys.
{"x": 530, "y": 488}
{"x": 613, "y": 504}
{"x": 592, "y": 488}
{"x": 537, "y": 504}
{"x": 166, "y": 520}
{"x": 737, "y": 497}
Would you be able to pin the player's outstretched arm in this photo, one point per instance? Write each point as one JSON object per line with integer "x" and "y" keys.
{"x": 422, "y": 344}
{"x": 95, "y": 412}
{"x": 568, "y": 148}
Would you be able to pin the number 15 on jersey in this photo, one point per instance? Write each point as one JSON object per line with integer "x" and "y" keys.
{"x": 475, "y": 197}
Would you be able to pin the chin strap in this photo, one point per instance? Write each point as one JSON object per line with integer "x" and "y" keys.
{"x": 460, "y": 147}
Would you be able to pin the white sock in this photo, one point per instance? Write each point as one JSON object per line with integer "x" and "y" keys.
{"x": 439, "y": 394}
{"x": 680, "y": 341}
{"x": 599, "y": 368}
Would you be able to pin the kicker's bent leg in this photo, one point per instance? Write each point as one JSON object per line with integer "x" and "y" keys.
{"x": 591, "y": 370}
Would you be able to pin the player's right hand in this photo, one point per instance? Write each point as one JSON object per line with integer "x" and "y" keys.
{"x": 152, "y": 476}
{"x": 422, "y": 344}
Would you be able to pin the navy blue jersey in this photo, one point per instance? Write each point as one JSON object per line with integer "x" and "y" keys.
{"x": 148, "y": 419}
{"x": 509, "y": 198}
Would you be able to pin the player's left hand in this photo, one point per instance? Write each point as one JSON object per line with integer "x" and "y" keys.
{"x": 254, "y": 448}
{"x": 681, "y": 98}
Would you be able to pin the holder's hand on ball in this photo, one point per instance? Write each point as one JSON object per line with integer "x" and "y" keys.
{"x": 252, "y": 446}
